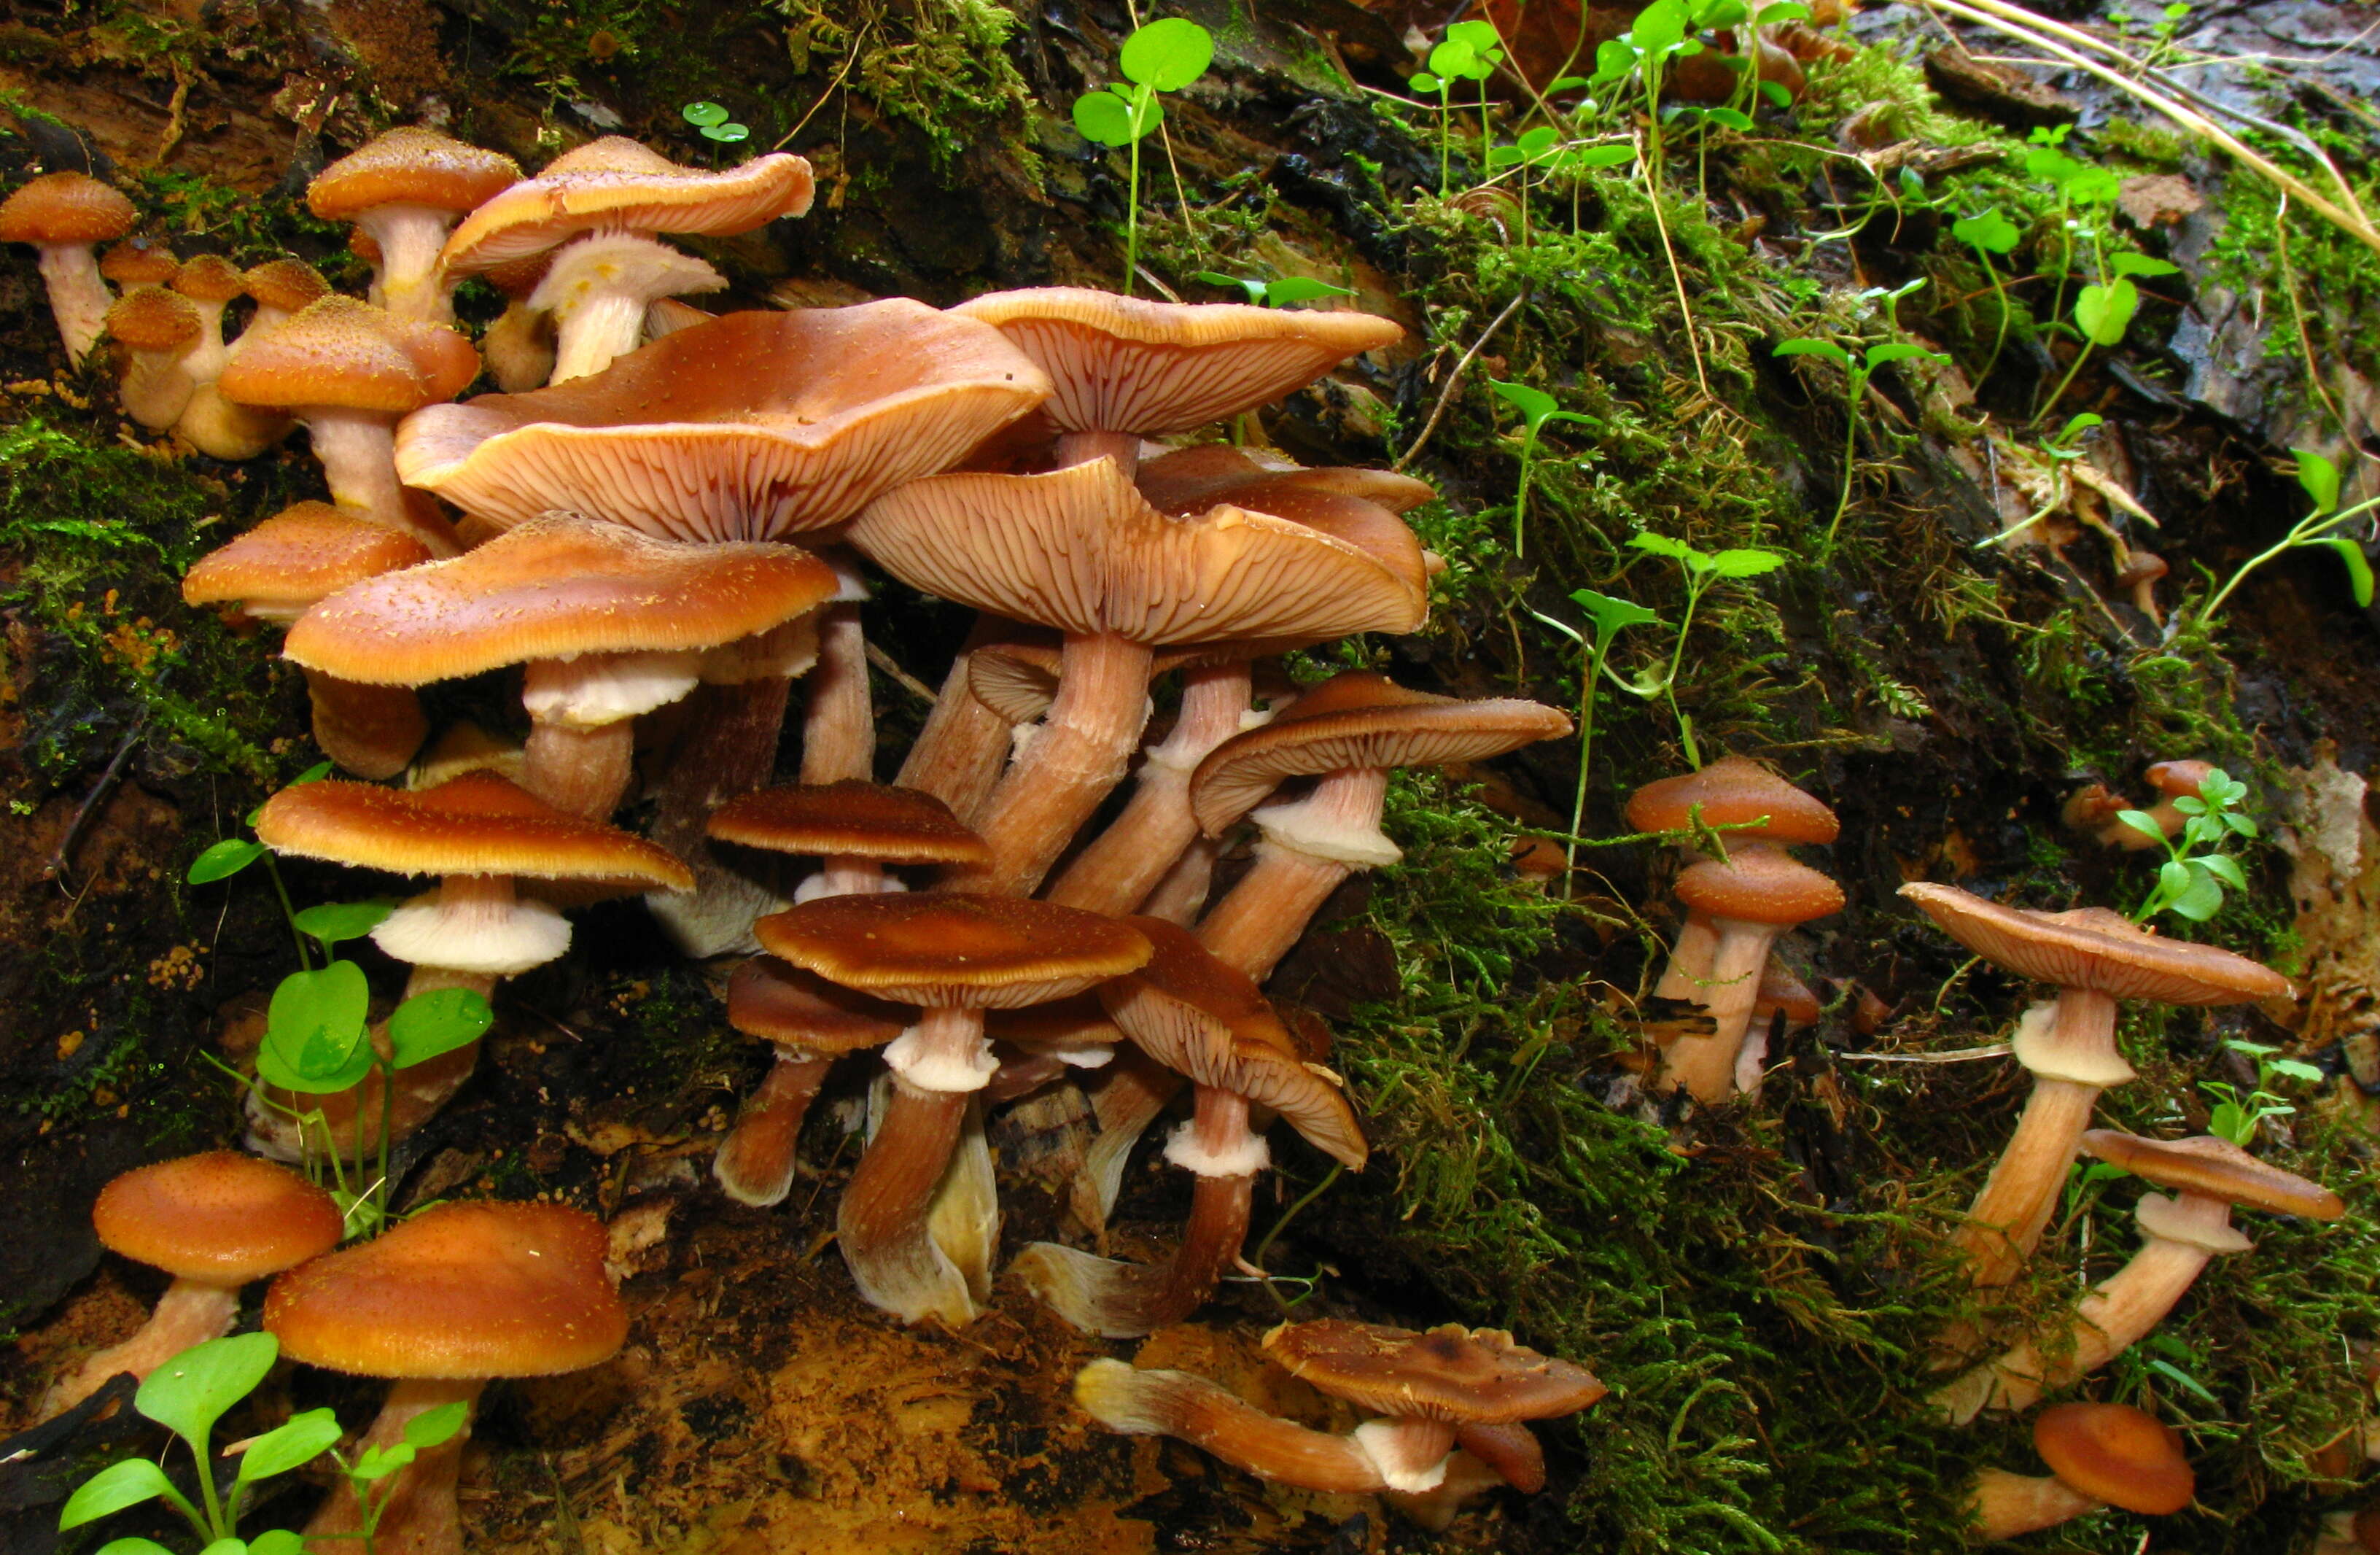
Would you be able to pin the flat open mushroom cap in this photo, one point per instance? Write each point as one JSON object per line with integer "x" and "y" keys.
{"x": 796, "y": 1009}
{"x": 1759, "y": 885}
{"x": 476, "y": 824}
{"x": 995, "y": 952}
{"x": 1080, "y": 550}
{"x": 852, "y": 820}
{"x": 1463, "y": 1376}
{"x": 221, "y": 1218}
{"x": 1189, "y": 479}
{"x": 1730, "y": 791}
{"x": 458, "y": 1291}
{"x": 2115, "y": 1453}
{"x": 338, "y": 351}
{"x": 410, "y": 165}
{"x": 2096, "y": 949}
{"x": 298, "y": 556}
{"x": 1201, "y": 1018}
{"x": 1359, "y": 719}
{"x": 2208, "y": 1164}
{"x": 65, "y": 208}
{"x": 552, "y": 588}
{"x": 1125, "y": 365}
{"x": 619, "y": 185}
{"x": 753, "y": 426}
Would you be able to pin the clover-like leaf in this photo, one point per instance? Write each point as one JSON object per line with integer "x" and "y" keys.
{"x": 332, "y": 923}
{"x": 2106, "y": 312}
{"x": 1987, "y": 230}
{"x": 314, "y": 1039}
{"x": 1116, "y": 116}
{"x": 2200, "y": 899}
{"x": 1167, "y": 54}
{"x": 702, "y": 115}
{"x": 435, "y": 1427}
{"x": 1660, "y": 28}
{"x": 133, "y": 1547}
{"x": 437, "y": 1022}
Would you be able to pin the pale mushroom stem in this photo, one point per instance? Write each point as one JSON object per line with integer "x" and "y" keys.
{"x": 839, "y": 726}
{"x": 1190, "y": 1408}
{"x": 846, "y": 875}
{"x": 1082, "y": 447}
{"x": 726, "y": 746}
{"x": 519, "y": 348}
{"x": 2006, "y": 1505}
{"x": 413, "y": 283}
{"x": 1124, "y": 862}
{"x": 1690, "y": 960}
{"x": 1085, "y": 745}
{"x": 420, "y": 1516}
{"x": 191, "y": 1312}
{"x": 78, "y": 295}
{"x": 1255, "y": 925}
{"x": 1704, "y": 1066}
{"x": 882, "y": 1224}
{"x": 1181, "y": 895}
{"x": 1126, "y": 1100}
{"x": 2108, "y": 1322}
{"x": 156, "y": 387}
{"x": 597, "y": 330}
{"x": 372, "y": 730}
{"x": 2006, "y": 1221}
{"x": 754, "y": 1163}
{"x": 959, "y": 753}
{"x": 357, "y": 453}
{"x": 1125, "y": 1300}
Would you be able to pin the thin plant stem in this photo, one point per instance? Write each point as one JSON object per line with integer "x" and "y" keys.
{"x": 1851, "y": 466}
{"x": 1999, "y": 339}
{"x": 1132, "y": 212}
{"x": 1595, "y": 657}
{"x": 1309, "y": 1196}
{"x": 288, "y": 914}
{"x": 2304, "y": 531}
{"x": 218, "y": 1527}
{"x": 2063, "y": 383}
{"x": 1694, "y": 591}
{"x": 1520, "y": 499}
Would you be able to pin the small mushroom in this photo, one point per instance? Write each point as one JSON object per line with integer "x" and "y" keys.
{"x": 65, "y": 215}
{"x": 139, "y": 261}
{"x": 811, "y": 1023}
{"x": 157, "y": 331}
{"x": 1747, "y": 902}
{"x": 280, "y": 288}
{"x": 2172, "y": 780}
{"x": 403, "y": 191}
{"x": 598, "y": 289}
{"x": 519, "y": 346}
{"x": 855, "y": 828}
{"x": 213, "y": 284}
{"x": 2099, "y": 1455}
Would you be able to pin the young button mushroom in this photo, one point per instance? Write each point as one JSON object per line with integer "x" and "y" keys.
{"x": 157, "y": 330}
{"x": 2099, "y": 1455}
{"x": 403, "y": 191}
{"x": 139, "y": 261}
{"x": 2210, "y": 1176}
{"x": 212, "y": 282}
{"x": 2095, "y": 957}
{"x": 856, "y": 828}
{"x": 284, "y": 566}
{"x": 280, "y": 288}
{"x": 1748, "y": 902}
{"x": 214, "y": 1222}
{"x": 518, "y": 347}
{"x": 956, "y": 956}
{"x": 597, "y": 290}
{"x": 443, "y": 1303}
{"x": 2172, "y": 780}
{"x": 64, "y": 215}
{"x": 1201, "y": 1018}
{"x": 811, "y": 1023}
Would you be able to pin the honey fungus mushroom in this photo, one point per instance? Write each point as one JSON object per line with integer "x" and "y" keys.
{"x": 2099, "y": 1455}
{"x": 65, "y": 216}
{"x": 404, "y": 191}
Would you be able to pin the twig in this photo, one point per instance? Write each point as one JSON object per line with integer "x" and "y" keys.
{"x": 1454, "y": 380}
{"x": 1685, "y": 308}
{"x": 840, "y": 75}
{"x": 56, "y": 869}
{"x": 901, "y": 677}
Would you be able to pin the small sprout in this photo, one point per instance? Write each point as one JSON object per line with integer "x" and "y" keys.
{"x": 1536, "y": 408}
{"x": 2324, "y": 529}
{"x": 713, "y": 121}
{"x": 1857, "y": 371}
{"x": 1282, "y": 291}
{"x": 1162, "y": 55}
{"x": 1702, "y": 570}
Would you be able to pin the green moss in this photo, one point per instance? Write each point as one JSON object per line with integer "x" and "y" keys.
{"x": 941, "y": 66}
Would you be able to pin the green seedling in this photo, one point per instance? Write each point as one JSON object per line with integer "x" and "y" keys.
{"x": 1282, "y": 291}
{"x": 1702, "y": 570}
{"x": 1606, "y": 617}
{"x": 2237, "y": 1116}
{"x": 2190, "y": 882}
{"x": 1162, "y": 55}
{"x": 2103, "y": 311}
{"x": 713, "y": 121}
{"x": 2320, "y": 529}
{"x": 1536, "y": 408}
{"x": 1535, "y": 149}
{"x": 1663, "y": 32}
{"x": 188, "y": 1395}
{"x": 1857, "y": 370}
{"x": 1470, "y": 52}
{"x": 1988, "y": 232}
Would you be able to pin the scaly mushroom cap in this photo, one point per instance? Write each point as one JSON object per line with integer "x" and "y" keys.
{"x": 410, "y": 165}
{"x": 458, "y": 1291}
{"x": 296, "y": 557}
{"x": 796, "y": 1009}
{"x": 2092, "y": 948}
{"x": 139, "y": 261}
{"x": 1458, "y": 1374}
{"x": 338, "y": 351}
{"x": 1759, "y": 885}
{"x": 1080, "y": 550}
{"x": 285, "y": 284}
{"x": 853, "y": 820}
{"x": 619, "y": 185}
{"x": 1189, "y": 479}
{"x": 754, "y": 426}
{"x": 954, "y": 949}
{"x": 477, "y": 824}
{"x": 1730, "y": 791}
{"x": 209, "y": 278}
{"x": 1201, "y": 1018}
{"x": 1359, "y": 719}
{"x": 2115, "y": 1453}
{"x": 65, "y": 208}
{"x": 555, "y": 588}
{"x": 221, "y": 1218}
{"x": 152, "y": 319}
{"x": 2216, "y": 1168}
{"x": 1124, "y": 365}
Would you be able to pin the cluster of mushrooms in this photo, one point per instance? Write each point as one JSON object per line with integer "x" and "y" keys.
{"x": 663, "y": 521}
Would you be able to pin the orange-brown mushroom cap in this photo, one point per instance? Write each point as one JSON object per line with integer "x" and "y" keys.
{"x": 476, "y": 824}
{"x": 555, "y": 588}
{"x": 1759, "y": 885}
{"x": 2093, "y": 948}
{"x": 1360, "y": 719}
{"x": 1730, "y": 791}
{"x": 954, "y": 949}
{"x": 458, "y": 1291}
{"x": 285, "y": 284}
{"x": 2217, "y": 1168}
{"x": 298, "y": 556}
{"x": 338, "y": 351}
{"x": 1450, "y": 1373}
{"x": 410, "y": 165}
{"x": 209, "y": 278}
{"x": 65, "y": 208}
{"x": 1188, "y": 480}
{"x": 618, "y": 185}
{"x": 152, "y": 319}
{"x": 139, "y": 261}
{"x": 2115, "y": 1453}
{"x": 1126, "y": 365}
{"x": 851, "y": 818}
{"x": 221, "y": 1218}
{"x": 793, "y": 1008}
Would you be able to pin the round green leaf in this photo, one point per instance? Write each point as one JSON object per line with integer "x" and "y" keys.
{"x": 727, "y": 134}
{"x": 1104, "y": 117}
{"x": 226, "y": 857}
{"x": 1167, "y": 54}
{"x": 1454, "y": 57}
{"x": 280, "y": 1541}
{"x": 702, "y": 115}
{"x": 133, "y": 1547}
{"x": 314, "y": 1030}
{"x": 1425, "y": 82}
{"x": 331, "y": 923}
{"x": 189, "y": 1393}
{"x": 434, "y": 1427}
{"x": 1660, "y": 28}
{"x": 1990, "y": 231}
{"x": 2105, "y": 313}
{"x": 111, "y": 1489}
{"x": 438, "y": 1022}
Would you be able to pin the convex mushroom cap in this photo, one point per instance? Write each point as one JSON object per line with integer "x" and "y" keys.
{"x": 1759, "y": 885}
{"x": 410, "y": 165}
{"x": 616, "y": 185}
{"x": 302, "y": 553}
{"x": 2115, "y": 1453}
{"x": 2216, "y": 1168}
{"x": 63, "y": 214}
{"x": 954, "y": 949}
{"x": 1731, "y": 791}
{"x": 338, "y": 352}
{"x": 221, "y": 1218}
{"x": 850, "y": 818}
